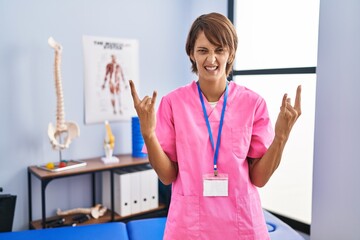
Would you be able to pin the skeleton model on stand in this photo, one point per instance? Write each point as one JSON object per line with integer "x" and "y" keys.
{"x": 61, "y": 136}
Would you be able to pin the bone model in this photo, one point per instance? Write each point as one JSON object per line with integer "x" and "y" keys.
{"x": 96, "y": 211}
{"x": 69, "y": 130}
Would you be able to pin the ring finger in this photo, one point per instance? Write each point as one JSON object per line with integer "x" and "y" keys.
{"x": 148, "y": 101}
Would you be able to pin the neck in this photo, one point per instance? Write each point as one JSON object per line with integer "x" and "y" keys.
{"x": 212, "y": 90}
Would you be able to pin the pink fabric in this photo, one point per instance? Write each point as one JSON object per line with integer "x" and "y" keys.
{"x": 182, "y": 132}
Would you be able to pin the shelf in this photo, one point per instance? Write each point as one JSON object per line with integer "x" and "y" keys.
{"x": 104, "y": 219}
{"x": 121, "y": 218}
{"x": 92, "y": 165}
{"x": 68, "y": 220}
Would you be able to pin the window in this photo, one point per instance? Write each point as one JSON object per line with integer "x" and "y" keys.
{"x": 276, "y": 33}
{"x": 277, "y": 51}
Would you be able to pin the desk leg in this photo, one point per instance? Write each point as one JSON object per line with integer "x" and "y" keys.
{"x": 30, "y": 198}
{"x": 112, "y": 194}
{"x": 43, "y": 202}
{"x": 93, "y": 189}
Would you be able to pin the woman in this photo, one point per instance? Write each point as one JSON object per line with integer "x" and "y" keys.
{"x": 213, "y": 140}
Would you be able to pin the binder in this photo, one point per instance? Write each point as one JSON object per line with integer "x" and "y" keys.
{"x": 144, "y": 189}
{"x": 122, "y": 192}
{"x": 105, "y": 190}
{"x": 153, "y": 188}
{"x": 149, "y": 188}
{"x": 135, "y": 190}
{"x": 134, "y": 177}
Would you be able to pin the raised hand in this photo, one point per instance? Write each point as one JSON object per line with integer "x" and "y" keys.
{"x": 288, "y": 115}
{"x": 145, "y": 110}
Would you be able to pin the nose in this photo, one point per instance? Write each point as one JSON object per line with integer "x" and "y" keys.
{"x": 211, "y": 57}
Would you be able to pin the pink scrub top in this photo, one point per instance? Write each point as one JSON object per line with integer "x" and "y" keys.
{"x": 183, "y": 135}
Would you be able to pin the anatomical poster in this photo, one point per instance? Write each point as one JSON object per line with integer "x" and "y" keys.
{"x": 109, "y": 64}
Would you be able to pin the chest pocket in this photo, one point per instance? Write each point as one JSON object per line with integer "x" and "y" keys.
{"x": 241, "y": 137}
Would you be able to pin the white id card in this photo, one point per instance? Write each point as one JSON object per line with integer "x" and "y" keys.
{"x": 215, "y": 186}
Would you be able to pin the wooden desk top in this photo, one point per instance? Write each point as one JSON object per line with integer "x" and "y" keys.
{"x": 92, "y": 165}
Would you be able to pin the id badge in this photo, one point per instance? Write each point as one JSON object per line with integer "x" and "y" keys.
{"x": 215, "y": 186}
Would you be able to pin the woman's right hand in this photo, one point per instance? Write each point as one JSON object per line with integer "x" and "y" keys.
{"x": 145, "y": 110}
{"x": 165, "y": 168}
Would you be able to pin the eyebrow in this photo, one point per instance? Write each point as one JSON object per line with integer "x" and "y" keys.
{"x": 216, "y": 48}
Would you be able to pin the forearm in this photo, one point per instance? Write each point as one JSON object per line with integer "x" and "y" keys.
{"x": 165, "y": 168}
{"x": 261, "y": 170}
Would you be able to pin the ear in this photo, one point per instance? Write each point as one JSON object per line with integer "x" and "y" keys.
{"x": 230, "y": 59}
{"x": 192, "y": 56}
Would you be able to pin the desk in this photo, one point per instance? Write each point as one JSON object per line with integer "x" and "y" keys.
{"x": 93, "y": 166}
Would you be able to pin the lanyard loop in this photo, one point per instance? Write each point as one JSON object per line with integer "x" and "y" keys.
{"x": 208, "y": 124}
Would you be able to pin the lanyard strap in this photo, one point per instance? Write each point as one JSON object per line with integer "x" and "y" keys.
{"x": 208, "y": 124}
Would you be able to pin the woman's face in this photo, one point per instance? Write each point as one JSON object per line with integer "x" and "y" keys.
{"x": 210, "y": 60}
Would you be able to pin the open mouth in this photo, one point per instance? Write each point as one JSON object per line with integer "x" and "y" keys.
{"x": 211, "y": 68}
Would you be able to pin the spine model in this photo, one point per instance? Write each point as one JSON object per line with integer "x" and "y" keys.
{"x": 61, "y": 136}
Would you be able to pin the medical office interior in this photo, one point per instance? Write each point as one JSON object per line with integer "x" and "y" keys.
{"x": 313, "y": 43}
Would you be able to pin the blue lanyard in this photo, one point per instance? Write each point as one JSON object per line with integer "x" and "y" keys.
{"x": 208, "y": 124}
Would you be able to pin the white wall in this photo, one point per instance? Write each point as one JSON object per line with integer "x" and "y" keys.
{"x": 289, "y": 190}
{"x": 336, "y": 192}
{"x": 27, "y": 94}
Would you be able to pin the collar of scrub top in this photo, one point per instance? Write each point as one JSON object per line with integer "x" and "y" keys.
{"x": 208, "y": 124}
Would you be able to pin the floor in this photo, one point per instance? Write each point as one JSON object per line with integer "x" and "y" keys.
{"x": 305, "y": 236}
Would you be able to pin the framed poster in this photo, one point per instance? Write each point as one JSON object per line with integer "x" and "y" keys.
{"x": 109, "y": 64}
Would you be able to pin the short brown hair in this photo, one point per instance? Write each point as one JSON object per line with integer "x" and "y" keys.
{"x": 219, "y": 31}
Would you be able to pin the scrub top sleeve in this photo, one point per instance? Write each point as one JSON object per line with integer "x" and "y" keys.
{"x": 165, "y": 129}
{"x": 263, "y": 132}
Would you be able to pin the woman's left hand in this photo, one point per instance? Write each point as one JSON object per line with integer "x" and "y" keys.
{"x": 261, "y": 170}
{"x": 288, "y": 116}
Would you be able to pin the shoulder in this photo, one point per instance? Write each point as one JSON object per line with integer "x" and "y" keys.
{"x": 182, "y": 93}
{"x": 242, "y": 93}
{"x": 245, "y": 100}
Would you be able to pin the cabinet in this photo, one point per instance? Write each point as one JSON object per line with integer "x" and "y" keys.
{"x": 92, "y": 167}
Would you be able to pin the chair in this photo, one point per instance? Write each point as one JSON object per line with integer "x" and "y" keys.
{"x": 7, "y": 210}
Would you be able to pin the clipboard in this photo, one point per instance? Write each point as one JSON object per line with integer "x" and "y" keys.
{"x": 71, "y": 164}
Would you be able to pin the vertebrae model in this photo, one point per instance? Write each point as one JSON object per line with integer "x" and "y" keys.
{"x": 69, "y": 130}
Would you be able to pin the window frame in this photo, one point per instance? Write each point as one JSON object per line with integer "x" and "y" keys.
{"x": 303, "y": 227}
{"x": 270, "y": 71}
